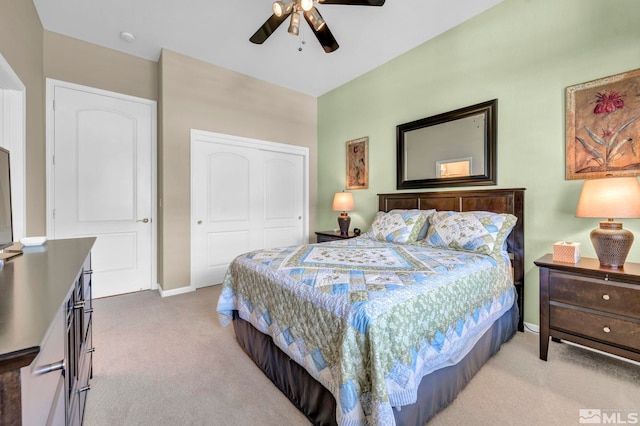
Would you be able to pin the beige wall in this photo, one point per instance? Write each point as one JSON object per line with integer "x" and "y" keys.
{"x": 197, "y": 95}
{"x": 76, "y": 61}
{"x": 35, "y": 54}
{"x": 190, "y": 94}
{"x": 21, "y": 46}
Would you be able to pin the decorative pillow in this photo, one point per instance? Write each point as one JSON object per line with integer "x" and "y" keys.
{"x": 427, "y": 213}
{"x": 482, "y": 232}
{"x": 396, "y": 227}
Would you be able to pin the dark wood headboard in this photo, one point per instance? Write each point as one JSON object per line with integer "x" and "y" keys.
{"x": 493, "y": 200}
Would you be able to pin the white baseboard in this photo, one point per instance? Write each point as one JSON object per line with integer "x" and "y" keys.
{"x": 175, "y": 291}
{"x": 531, "y": 328}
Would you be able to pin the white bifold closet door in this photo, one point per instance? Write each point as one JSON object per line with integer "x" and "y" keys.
{"x": 244, "y": 197}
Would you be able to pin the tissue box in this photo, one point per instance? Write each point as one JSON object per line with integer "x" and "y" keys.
{"x": 566, "y": 252}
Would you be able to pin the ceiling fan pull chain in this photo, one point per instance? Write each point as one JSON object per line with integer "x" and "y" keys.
{"x": 302, "y": 41}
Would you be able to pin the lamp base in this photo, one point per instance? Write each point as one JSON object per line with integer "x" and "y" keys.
{"x": 612, "y": 244}
{"x": 343, "y": 222}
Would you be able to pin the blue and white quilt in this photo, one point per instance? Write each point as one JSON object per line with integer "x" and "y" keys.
{"x": 369, "y": 319}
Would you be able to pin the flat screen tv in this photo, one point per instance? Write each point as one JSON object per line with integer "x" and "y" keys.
{"x": 6, "y": 221}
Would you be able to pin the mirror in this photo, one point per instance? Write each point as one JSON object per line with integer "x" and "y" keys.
{"x": 456, "y": 148}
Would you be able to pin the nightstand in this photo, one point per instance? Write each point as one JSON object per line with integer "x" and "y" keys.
{"x": 589, "y": 305}
{"x": 322, "y": 236}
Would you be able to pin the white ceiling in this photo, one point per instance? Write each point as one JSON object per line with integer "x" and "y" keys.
{"x": 218, "y": 32}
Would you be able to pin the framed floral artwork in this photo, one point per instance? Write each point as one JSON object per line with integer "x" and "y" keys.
{"x": 603, "y": 127}
{"x": 358, "y": 163}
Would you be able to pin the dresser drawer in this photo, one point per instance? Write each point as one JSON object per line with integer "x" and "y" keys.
{"x": 607, "y": 296}
{"x": 616, "y": 331}
{"x": 43, "y": 392}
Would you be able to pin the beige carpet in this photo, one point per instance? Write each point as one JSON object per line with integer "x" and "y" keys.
{"x": 168, "y": 361}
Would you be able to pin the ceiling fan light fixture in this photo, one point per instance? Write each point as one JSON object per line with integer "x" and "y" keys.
{"x": 281, "y": 8}
{"x": 315, "y": 19}
{"x": 306, "y": 5}
{"x": 294, "y": 26}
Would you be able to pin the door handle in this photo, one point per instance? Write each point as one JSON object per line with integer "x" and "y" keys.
{"x": 145, "y": 220}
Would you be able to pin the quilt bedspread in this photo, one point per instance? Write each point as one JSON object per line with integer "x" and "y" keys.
{"x": 368, "y": 319}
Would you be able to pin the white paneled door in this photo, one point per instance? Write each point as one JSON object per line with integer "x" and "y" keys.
{"x": 102, "y": 183}
{"x": 245, "y": 195}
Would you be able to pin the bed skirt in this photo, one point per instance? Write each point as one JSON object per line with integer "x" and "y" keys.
{"x": 436, "y": 390}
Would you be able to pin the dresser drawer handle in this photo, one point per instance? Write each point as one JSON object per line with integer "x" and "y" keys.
{"x": 606, "y": 330}
{"x": 56, "y": 366}
{"x": 605, "y": 297}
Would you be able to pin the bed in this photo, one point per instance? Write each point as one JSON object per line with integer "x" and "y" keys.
{"x": 389, "y": 327}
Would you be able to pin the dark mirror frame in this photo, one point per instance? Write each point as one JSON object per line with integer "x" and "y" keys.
{"x": 490, "y": 111}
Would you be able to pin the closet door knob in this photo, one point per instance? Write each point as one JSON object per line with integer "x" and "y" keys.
{"x": 605, "y": 297}
{"x": 145, "y": 220}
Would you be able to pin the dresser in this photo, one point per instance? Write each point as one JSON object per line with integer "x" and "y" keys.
{"x": 46, "y": 345}
{"x": 322, "y": 236}
{"x": 589, "y": 305}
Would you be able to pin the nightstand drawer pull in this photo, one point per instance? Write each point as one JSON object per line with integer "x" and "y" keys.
{"x": 605, "y": 297}
{"x": 606, "y": 330}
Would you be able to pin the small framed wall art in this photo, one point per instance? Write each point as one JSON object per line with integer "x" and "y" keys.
{"x": 603, "y": 127}
{"x": 358, "y": 163}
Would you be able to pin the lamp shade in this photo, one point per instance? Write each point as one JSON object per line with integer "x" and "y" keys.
{"x": 613, "y": 197}
{"x": 610, "y": 198}
{"x": 343, "y": 202}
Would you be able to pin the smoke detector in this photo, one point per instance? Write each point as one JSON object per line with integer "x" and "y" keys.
{"x": 128, "y": 37}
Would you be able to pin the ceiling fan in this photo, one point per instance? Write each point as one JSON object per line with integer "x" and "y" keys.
{"x": 282, "y": 9}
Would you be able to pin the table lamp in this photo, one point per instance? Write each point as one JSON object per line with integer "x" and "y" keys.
{"x": 343, "y": 202}
{"x": 610, "y": 197}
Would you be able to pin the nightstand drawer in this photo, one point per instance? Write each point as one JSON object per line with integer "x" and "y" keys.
{"x": 608, "y": 296}
{"x": 616, "y": 331}
{"x": 325, "y": 238}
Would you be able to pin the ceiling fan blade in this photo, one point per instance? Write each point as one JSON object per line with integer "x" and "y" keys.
{"x": 268, "y": 28}
{"x": 324, "y": 36}
{"x": 354, "y": 2}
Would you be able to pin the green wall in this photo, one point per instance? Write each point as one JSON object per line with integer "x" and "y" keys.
{"x": 522, "y": 52}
